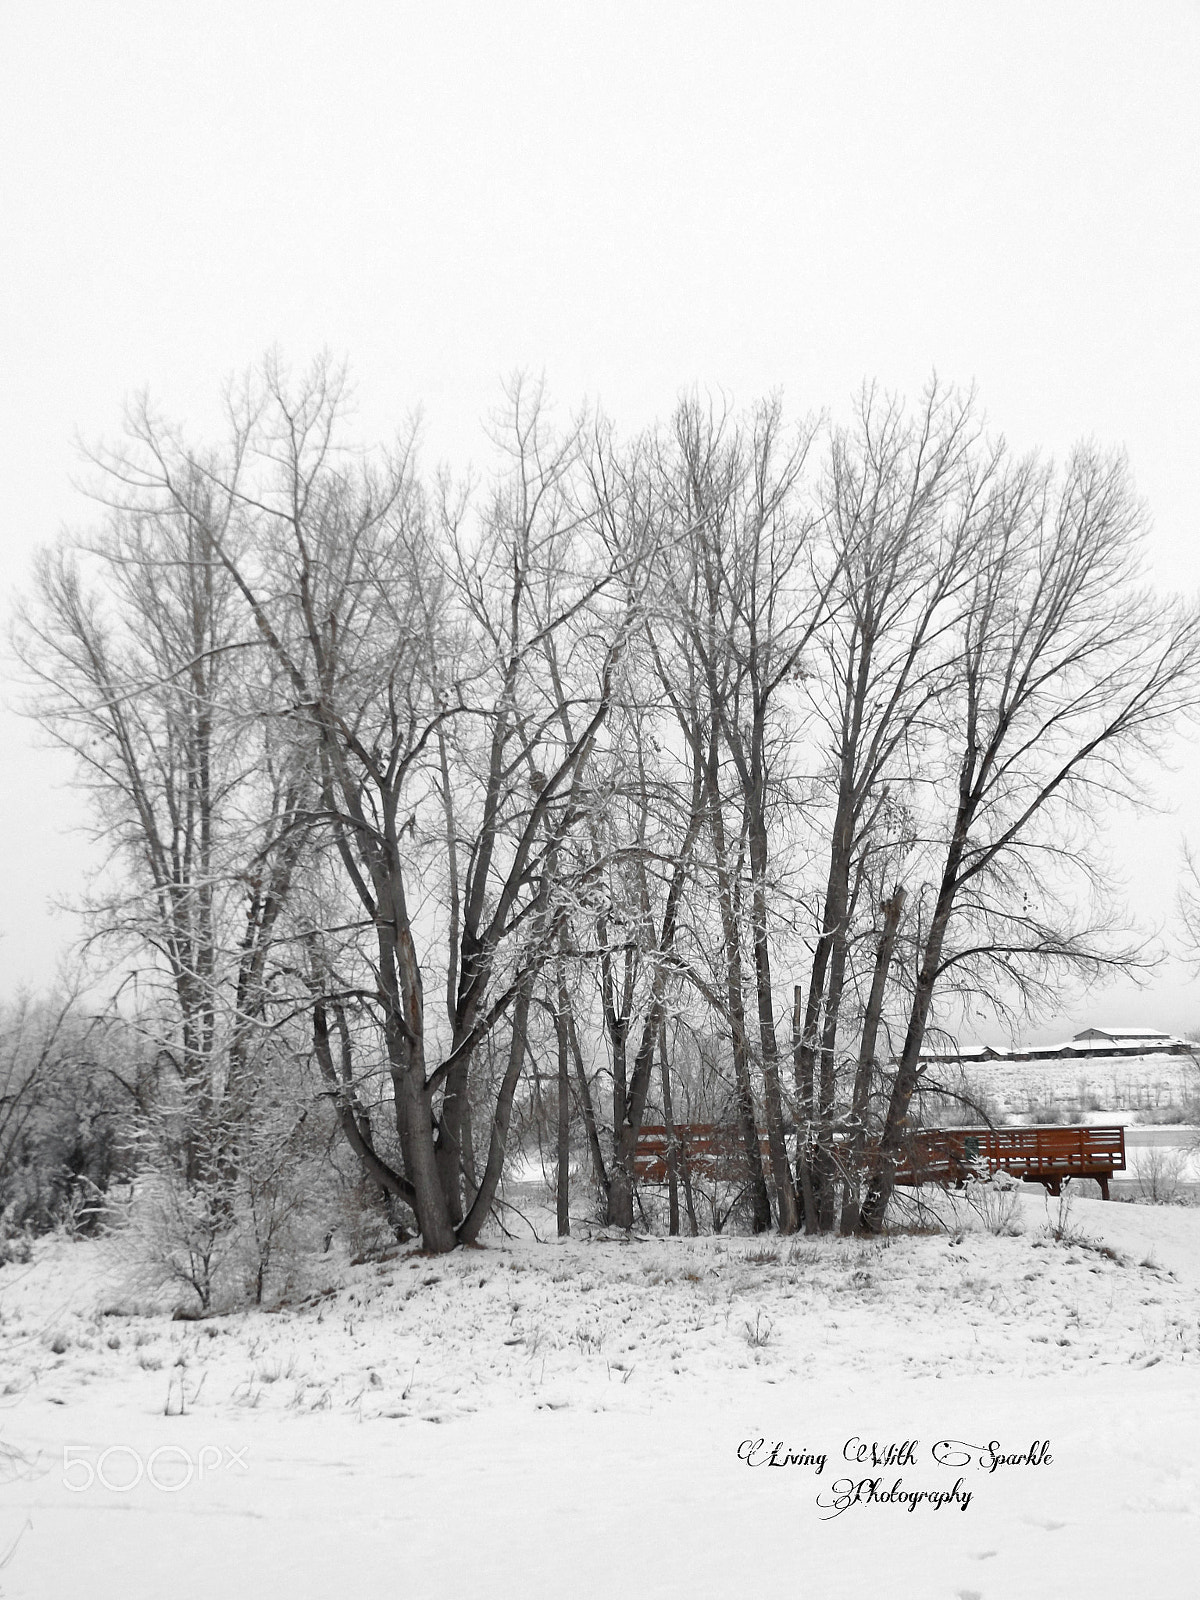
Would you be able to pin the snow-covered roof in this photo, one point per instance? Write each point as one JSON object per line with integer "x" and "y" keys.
{"x": 953, "y": 1052}
{"x": 1122, "y": 1033}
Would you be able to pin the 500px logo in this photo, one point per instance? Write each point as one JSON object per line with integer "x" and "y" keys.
{"x": 170, "y": 1468}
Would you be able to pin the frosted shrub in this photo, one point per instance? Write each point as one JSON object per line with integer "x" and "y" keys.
{"x": 180, "y": 1235}
{"x": 226, "y": 1241}
{"x": 365, "y": 1224}
{"x": 995, "y": 1201}
{"x": 1158, "y": 1175}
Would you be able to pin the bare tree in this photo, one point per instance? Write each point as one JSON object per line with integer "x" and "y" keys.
{"x": 1189, "y": 902}
{"x": 389, "y": 632}
{"x": 685, "y": 684}
{"x": 132, "y": 645}
{"x": 1068, "y": 670}
{"x": 66, "y": 1112}
{"x": 901, "y": 497}
{"x": 751, "y": 617}
{"x": 658, "y": 882}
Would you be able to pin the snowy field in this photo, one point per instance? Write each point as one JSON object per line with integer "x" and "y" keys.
{"x": 1131, "y": 1086}
{"x": 571, "y": 1419}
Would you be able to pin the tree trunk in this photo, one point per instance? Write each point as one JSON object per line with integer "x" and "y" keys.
{"x": 893, "y": 909}
{"x": 625, "y": 1133}
{"x": 821, "y": 1016}
{"x": 353, "y": 1121}
{"x": 826, "y": 1159}
{"x": 804, "y": 1082}
{"x": 477, "y": 1215}
{"x": 599, "y": 1169}
{"x": 414, "y": 1124}
{"x": 883, "y": 1170}
{"x": 563, "y": 1184}
{"x": 785, "y": 1192}
{"x": 621, "y": 1185}
{"x": 735, "y": 1001}
{"x": 404, "y": 1031}
{"x": 672, "y": 1137}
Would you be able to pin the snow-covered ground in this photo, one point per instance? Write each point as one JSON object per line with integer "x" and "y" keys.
{"x": 1120, "y": 1087}
{"x": 572, "y": 1419}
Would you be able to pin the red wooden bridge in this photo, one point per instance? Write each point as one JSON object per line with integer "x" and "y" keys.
{"x": 1035, "y": 1155}
{"x": 931, "y": 1155}
{"x": 710, "y": 1150}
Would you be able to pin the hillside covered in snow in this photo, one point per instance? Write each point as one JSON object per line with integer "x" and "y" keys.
{"x": 598, "y": 1414}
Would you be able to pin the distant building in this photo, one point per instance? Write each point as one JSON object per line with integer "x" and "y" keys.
{"x": 966, "y": 1052}
{"x": 1126, "y": 1042}
{"x": 1089, "y": 1042}
{"x": 1124, "y": 1036}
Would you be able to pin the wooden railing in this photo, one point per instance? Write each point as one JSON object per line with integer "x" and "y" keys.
{"x": 930, "y": 1155}
{"x": 710, "y": 1150}
{"x": 1035, "y": 1155}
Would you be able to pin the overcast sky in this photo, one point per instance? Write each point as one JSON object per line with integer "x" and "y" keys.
{"x": 630, "y": 199}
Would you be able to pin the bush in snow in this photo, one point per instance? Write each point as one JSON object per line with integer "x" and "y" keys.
{"x": 994, "y": 1201}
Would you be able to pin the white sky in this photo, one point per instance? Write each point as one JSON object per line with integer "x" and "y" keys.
{"x": 629, "y": 198}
